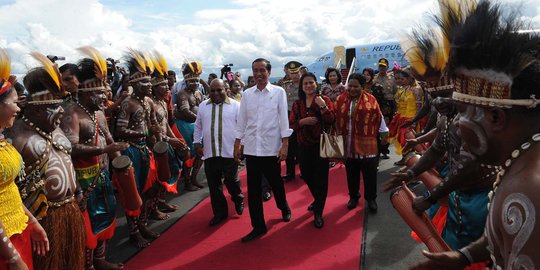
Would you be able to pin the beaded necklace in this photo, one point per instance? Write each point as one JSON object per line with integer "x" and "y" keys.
{"x": 47, "y": 136}
{"x": 93, "y": 118}
{"x": 506, "y": 166}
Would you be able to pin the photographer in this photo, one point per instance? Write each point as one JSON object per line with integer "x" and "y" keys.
{"x": 113, "y": 75}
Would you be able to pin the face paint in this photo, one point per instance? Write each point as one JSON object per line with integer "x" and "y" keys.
{"x": 470, "y": 130}
{"x": 54, "y": 115}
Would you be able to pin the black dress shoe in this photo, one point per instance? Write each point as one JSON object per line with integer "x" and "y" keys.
{"x": 286, "y": 214}
{"x": 372, "y": 205}
{"x": 353, "y": 202}
{"x": 318, "y": 222}
{"x": 266, "y": 196}
{"x": 254, "y": 234}
{"x": 239, "y": 207}
{"x": 385, "y": 156}
{"x": 216, "y": 220}
{"x": 310, "y": 207}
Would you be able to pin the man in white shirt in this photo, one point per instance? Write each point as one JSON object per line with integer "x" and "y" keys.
{"x": 216, "y": 119}
{"x": 263, "y": 130}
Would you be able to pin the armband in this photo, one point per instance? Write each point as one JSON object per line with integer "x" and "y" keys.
{"x": 465, "y": 252}
{"x": 428, "y": 198}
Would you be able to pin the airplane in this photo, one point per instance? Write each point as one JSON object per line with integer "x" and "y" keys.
{"x": 364, "y": 55}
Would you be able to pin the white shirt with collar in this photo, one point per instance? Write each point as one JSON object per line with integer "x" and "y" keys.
{"x": 263, "y": 120}
{"x": 214, "y": 127}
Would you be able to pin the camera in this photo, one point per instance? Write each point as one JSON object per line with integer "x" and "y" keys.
{"x": 225, "y": 70}
{"x": 54, "y": 58}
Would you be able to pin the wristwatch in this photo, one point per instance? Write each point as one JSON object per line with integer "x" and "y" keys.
{"x": 427, "y": 197}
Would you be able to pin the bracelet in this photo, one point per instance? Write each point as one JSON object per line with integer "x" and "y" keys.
{"x": 465, "y": 252}
{"x": 428, "y": 198}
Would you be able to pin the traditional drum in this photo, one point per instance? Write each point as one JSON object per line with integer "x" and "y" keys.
{"x": 162, "y": 161}
{"x": 402, "y": 200}
{"x": 124, "y": 179}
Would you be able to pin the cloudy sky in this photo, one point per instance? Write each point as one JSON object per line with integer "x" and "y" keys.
{"x": 213, "y": 32}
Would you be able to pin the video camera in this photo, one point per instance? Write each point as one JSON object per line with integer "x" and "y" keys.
{"x": 54, "y": 58}
{"x": 225, "y": 69}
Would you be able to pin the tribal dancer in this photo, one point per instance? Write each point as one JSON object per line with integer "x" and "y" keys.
{"x": 498, "y": 115}
{"x": 160, "y": 90}
{"x": 187, "y": 105}
{"x": 86, "y": 128}
{"x": 19, "y": 229}
{"x": 468, "y": 182}
{"x": 136, "y": 124}
{"x": 49, "y": 189}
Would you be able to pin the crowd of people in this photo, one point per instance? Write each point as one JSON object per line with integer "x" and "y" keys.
{"x": 73, "y": 136}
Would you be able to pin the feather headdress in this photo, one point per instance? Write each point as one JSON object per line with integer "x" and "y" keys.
{"x": 44, "y": 83}
{"x": 92, "y": 71}
{"x": 137, "y": 65}
{"x": 488, "y": 53}
{"x": 428, "y": 49}
{"x": 192, "y": 70}
{"x": 100, "y": 65}
{"x": 160, "y": 73}
{"x": 5, "y": 69}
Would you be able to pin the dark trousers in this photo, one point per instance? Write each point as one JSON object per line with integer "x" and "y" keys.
{"x": 290, "y": 162}
{"x": 368, "y": 168}
{"x": 217, "y": 168}
{"x": 315, "y": 174}
{"x": 265, "y": 185}
{"x": 270, "y": 168}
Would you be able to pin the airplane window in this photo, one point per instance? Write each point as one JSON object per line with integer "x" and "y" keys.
{"x": 369, "y": 56}
{"x": 374, "y": 56}
{"x": 362, "y": 57}
{"x": 386, "y": 55}
{"x": 380, "y": 55}
{"x": 399, "y": 54}
{"x": 393, "y": 55}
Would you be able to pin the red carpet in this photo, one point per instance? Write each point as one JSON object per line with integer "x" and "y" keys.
{"x": 192, "y": 244}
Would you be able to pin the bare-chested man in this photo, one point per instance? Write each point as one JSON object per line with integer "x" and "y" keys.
{"x": 136, "y": 124}
{"x": 85, "y": 126}
{"x": 498, "y": 116}
{"x": 187, "y": 105}
{"x": 49, "y": 188}
{"x": 160, "y": 90}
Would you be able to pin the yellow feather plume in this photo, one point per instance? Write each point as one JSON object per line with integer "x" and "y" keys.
{"x": 5, "y": 65}
{"x": 100, "y": 63}
{"x": 139, "y": 58}
{"x": 160, "y": 63}
{"x": 439, "y": 55}
{"x": 414, "y": 55}
{"x": 148, "y": 62}
{"x": 50, "y": 67}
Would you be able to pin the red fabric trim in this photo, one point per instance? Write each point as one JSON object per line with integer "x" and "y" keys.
{"x": 24, "y": 246}
{"x": 152, "y": 173}
{"x": 170, "y": 188}
{"x": 177, "y": 133}
{"x": 91, "y": 238}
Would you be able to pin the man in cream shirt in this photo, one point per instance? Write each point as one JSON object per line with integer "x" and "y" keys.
{"x": 263, "y": 130}
{"x": 216, "y": 120}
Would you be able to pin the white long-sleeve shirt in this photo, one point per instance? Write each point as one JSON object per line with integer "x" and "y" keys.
{"x": 214, "y": 127}
{"x": 263, "y": 120}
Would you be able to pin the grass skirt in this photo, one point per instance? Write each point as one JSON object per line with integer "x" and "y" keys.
{"x": 67, "y": 237}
